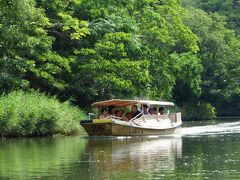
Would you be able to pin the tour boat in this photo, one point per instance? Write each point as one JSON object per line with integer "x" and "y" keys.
{"x": 143, "y": 124}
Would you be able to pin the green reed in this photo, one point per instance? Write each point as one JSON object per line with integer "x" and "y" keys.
{"x": 36, "y": 114}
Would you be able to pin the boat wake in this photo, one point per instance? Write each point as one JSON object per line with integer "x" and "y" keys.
{"x": 223, "y": 128}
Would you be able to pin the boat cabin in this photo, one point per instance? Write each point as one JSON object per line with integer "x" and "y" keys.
{"x": 127, "y": 110}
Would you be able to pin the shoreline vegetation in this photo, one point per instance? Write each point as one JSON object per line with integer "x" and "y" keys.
{"x": 34, "y": 114}
{"x": 200, "y": 111}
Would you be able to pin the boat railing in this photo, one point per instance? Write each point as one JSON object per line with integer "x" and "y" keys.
{"x": 175, "y": 117}
{"x": 138, "y": 116}
{"x": 115, "y": 117}
{"x": 155, "y": 116}
{"x": 91, "y": 115}
{"x": 145, "y": 118}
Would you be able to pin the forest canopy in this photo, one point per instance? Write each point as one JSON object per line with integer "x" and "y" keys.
{"x": 89, "y": 50}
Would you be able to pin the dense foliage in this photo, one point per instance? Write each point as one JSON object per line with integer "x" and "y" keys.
{"x": 26, "y": 55}
{"x": 35, "y": 114}
{"x": 220, "y": 57}
{"x": 198, "y": 111}
{"x": 92, "y": 50}
{"x": 228, "y": 8}
{"x": 99, "y": 50}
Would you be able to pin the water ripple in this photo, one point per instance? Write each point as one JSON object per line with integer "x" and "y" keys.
{"x": 222, "y": 128}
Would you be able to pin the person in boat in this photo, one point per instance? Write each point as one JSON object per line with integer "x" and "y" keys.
{"x": 161, "y": 110}
{"x": 119, "y": 113}
{"x": 128, "y": 116}
{"x": 145, "y": 109}
{"x": 150, "y": 111}
{"x": 111, "y": 110}
{"x": 135, "y": 112}
{"x": 104, "y": 113}
{"x": 153, "y": 111}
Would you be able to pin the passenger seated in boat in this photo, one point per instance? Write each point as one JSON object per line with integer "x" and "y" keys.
{"x": 135, "y": 112}
{"x": 150, "y": 111}
{"x": 161, "y": 111}
{"x": 119, "y": 113}
{"x": 145, "y": 109}
{"x": 104, "y": 113}
{"x": 111, "y": 110}
{"x": 128, "y": 116}
{"x": 153, "y": 111}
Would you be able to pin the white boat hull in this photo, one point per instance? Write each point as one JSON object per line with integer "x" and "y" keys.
{"x": 110, "y": 127}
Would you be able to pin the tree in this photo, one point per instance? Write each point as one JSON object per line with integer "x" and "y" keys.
{"x": 26, "y": 55}
{"x": 170, "y": 47}
{"x": 133, "y": 50}
{"x": 93, "y": 50}
{"x": 228, "y": 8}
{"x": 219, "y": 54}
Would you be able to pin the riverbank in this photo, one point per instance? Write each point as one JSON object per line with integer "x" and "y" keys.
{"x": 198, "y": 111}
{"x": 34, "y": 114}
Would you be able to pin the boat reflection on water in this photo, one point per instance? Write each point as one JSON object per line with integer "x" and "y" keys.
{"x": 134, "y": 154}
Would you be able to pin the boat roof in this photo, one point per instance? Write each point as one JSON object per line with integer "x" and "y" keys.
{"x": 122, "y": 103}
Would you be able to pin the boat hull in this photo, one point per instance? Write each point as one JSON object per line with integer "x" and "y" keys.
{"x": 116, "y": 129}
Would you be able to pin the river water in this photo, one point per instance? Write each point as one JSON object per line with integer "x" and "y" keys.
{"x": 204, "y": 150}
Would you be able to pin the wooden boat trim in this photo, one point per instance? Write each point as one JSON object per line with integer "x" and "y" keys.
{"x": 124, "y": 103}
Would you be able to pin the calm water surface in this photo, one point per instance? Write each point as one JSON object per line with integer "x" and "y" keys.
{"x": 204, "y": 150}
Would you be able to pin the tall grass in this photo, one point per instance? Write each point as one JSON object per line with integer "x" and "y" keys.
{"x": 35, "y": 114}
